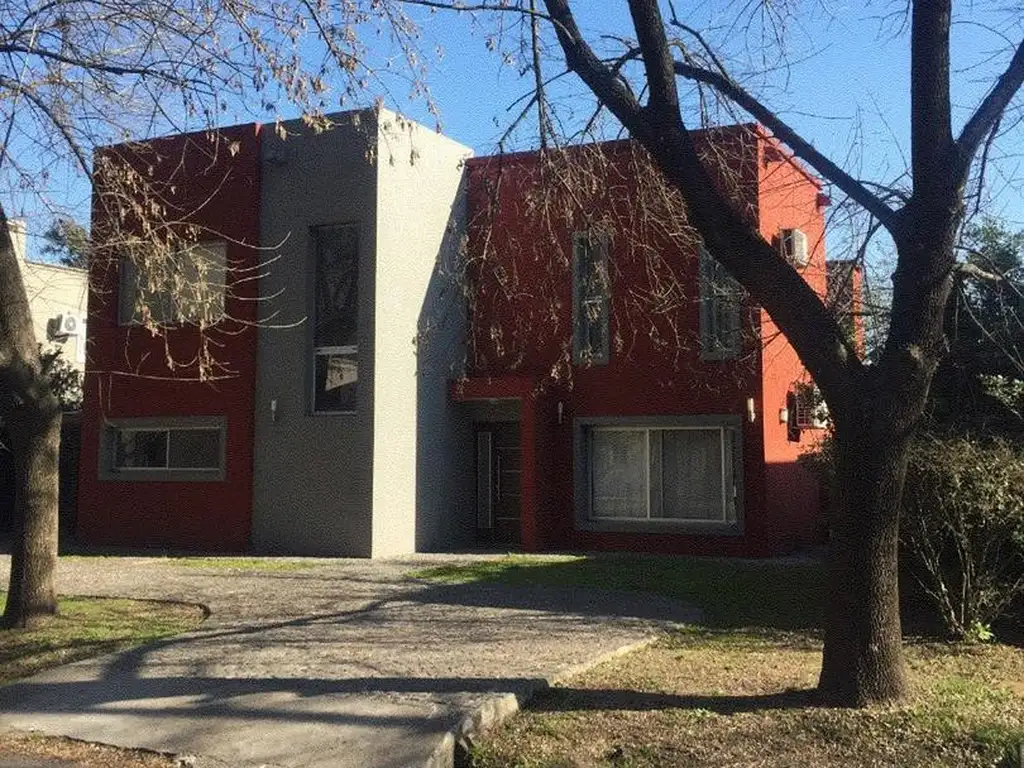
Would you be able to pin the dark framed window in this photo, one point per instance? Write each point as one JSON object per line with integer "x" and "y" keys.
{"x": 591, "y": 298}
{"x": 721, "y": 301}
{"x": 335, "y": 319}
{"x": 171, "y": 448}
{"x": 177, "y": 448}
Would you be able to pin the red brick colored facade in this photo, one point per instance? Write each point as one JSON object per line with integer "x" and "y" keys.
{"x": 127, "y": 376}
{"x": 521, "y": 317}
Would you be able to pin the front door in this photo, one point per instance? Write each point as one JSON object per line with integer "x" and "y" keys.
{"x": 498, "y": 472}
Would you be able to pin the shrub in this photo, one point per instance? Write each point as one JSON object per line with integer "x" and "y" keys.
{"x": 962, "y": 526}
{"x": 963, "y": 523}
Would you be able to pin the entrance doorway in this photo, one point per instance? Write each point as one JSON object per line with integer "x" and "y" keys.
{"x": 498, "y": 484}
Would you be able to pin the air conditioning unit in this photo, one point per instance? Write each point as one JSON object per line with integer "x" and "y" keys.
{"x": 66, "y": 325}
{"x": 793, "y": 247}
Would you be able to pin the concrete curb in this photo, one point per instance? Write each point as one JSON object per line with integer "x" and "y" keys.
{"x": 457, "y": 744}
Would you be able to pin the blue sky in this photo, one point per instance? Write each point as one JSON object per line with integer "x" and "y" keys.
{"x": 842, "y": 82}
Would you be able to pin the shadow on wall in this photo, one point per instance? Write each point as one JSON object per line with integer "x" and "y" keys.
{"x": 444, "y": 432}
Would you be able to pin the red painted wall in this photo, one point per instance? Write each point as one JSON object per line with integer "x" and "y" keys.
{"x": 127, "y": 374}
{"x": 789, "y": 200}
{"x": 521, "y": 251}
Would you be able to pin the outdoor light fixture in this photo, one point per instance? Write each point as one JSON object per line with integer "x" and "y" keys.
{"x": 561, "y": 411}
{"x": 783, "y": 415}
{"x": 751, "y": 412}
{"x": 273, "y": 410}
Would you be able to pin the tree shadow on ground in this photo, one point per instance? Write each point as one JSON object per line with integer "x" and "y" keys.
{"x": 588, "y": 699}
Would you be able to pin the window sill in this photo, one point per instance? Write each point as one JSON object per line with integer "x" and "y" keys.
{"x": 163, "y": 476}
{"x": 682, "y": 527}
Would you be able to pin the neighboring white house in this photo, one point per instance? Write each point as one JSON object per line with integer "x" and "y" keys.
{"x": 57, "y": 296}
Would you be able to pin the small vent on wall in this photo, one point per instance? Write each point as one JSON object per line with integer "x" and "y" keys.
{"x": 793, "y": 247}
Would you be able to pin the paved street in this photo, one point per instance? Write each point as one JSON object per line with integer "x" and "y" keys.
{"x": 341, "y": 663}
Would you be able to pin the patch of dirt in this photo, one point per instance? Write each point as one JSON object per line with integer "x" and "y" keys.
{"x": 18, "y": 744}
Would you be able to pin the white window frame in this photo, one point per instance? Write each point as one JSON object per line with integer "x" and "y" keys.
{"x": 584, "y": 429}
{"x": 811, "y": 410}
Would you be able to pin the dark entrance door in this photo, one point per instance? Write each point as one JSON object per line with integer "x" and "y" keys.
{"x": 498, "y": 490}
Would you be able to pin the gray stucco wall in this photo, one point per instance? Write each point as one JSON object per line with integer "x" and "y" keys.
{"x": 313, "y": 473}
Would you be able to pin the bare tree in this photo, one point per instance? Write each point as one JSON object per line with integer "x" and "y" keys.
{"x": 875, "y": 408}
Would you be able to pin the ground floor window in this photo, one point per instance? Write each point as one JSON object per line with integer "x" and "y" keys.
{"x": 145, "y": 449}
{"x": 661, "y": 474}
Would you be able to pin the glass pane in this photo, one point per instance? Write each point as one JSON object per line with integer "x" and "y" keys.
{"x": 691, "y": 471}
{"x": 134, "y": 449}
{"x": 201, "y": 278}
{"x": 195, "y": 449}
{"x": 337, "y": 376}
{"x": 591, "y": 295}
{"x": 618, "y": 471}
{"x": 127, "y": 292}
{"x": 337, "y": 275}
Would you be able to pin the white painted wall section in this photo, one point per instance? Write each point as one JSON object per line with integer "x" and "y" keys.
{"x": 419, "y": 227}
{"x": 53, "y": 290}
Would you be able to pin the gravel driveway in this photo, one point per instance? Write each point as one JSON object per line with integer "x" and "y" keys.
{"x": 336, "y": 663}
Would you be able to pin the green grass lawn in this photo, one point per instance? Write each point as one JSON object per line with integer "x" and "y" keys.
{"x": 730, "y": 593}
{"x": 89, "y": 626}
{"x": 739, "y": 689}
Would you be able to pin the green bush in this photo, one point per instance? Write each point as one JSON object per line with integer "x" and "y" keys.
{"x": 963, "y": 523}
{"x": 962, "y": 526}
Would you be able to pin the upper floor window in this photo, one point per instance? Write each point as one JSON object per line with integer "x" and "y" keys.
{"x": 591, "y": 298}
{"x": 336, "y": 319}
{"x": 720, "y": 310}
{"x": 185, "y": 287}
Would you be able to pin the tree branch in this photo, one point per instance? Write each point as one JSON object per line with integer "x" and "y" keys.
{"x": 801, "y": 148}
{"x": 991, "y": 109}
{"x": 581, "y": 59}
{"x": 930, "y": 113}
{"x": 773, "y": 283}
{"x": 654, "y": 47}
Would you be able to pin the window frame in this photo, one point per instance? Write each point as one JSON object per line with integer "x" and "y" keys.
{"x": 316, "y": 351}
{"x": 584, "y": 245}
{"x": 715, "y": 300}
{"x": 583, "y": 428}
{"x": 810, "y": 410}
{"x": 108, "y": 469}
{"x": 128, "y": 274}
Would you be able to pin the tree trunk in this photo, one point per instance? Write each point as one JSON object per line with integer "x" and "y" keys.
{"x": 863, "y": 654}
{"x": 34, "y": 433}
{"x": 31, "y": 417}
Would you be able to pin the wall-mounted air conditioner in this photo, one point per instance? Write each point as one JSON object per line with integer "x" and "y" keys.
{"x": 66, "y": 325}
{"x": 793, "y": 247}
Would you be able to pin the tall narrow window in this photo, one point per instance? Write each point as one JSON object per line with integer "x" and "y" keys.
{"x": 591, "y": 298}
{"x": 184, "y": 287}
{"x": 720, "y": 305}
{"x": 336, "y": 319}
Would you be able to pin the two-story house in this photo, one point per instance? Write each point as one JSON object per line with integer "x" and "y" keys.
{"x": 421, "y": 351}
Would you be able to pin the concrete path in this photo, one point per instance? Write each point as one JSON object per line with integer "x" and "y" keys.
{"x": 341, "y": 663}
